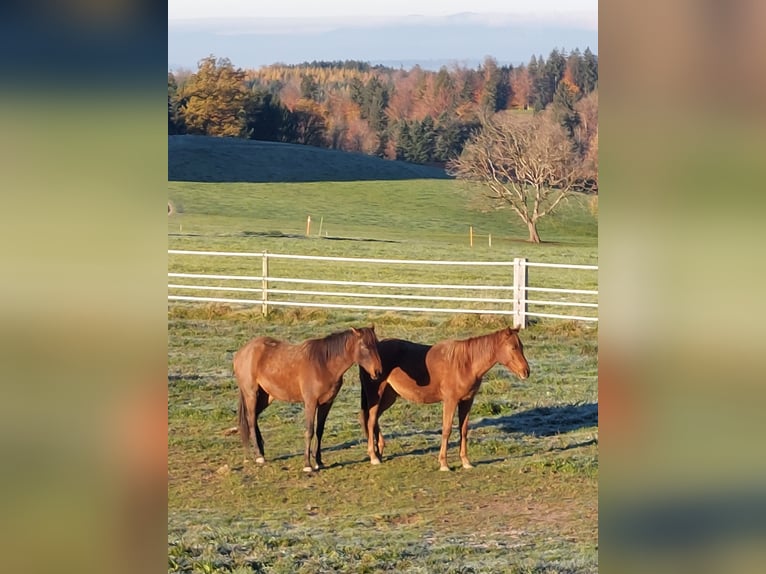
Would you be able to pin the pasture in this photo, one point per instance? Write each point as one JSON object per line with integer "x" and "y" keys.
{"x": 530, "y": 503}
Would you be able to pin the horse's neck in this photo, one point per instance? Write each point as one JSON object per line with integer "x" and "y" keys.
{"x": 486, "y": 355}
{"x": 336, "y": 365}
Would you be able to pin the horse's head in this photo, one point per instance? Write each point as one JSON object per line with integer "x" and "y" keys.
{"x": 366, "y": 351}
{"x": 511, "y": 353}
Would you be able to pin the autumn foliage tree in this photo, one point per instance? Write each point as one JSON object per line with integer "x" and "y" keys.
{"x": 525, "y": 162}
{"x": 215, "y": 99}
{"x": 418, "y": 115}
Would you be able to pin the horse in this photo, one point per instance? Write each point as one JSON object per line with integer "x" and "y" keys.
{"x": 311, "y": 372}
{"x": 450, "y": 372}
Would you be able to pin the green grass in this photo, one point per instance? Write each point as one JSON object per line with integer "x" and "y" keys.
{"x": 369, "y": 218}
{"x": 216, "y": 159}
{"x": 530, "y": 502}
{"x": 530, "y": 505}
{"x": 416, "y": 215}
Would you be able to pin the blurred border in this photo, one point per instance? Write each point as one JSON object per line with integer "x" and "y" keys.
{"x": 681, "y": 273}
{"x": 83, "y": 310}
{"x": 83, "y": 431}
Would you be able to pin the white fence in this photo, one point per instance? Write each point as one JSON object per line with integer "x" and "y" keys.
{"x": 506, "y": 298}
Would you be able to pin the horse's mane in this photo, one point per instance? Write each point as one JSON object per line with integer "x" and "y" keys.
{"x": 465, "y": 352}
{"x": 323, "y": 349}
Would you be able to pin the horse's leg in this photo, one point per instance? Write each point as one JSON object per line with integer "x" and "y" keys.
{"x": 261, "y": 403}
{"x": 447, "y": 415}
{"x": 244, "y": 413}
{"x": 373, "y": 401}
{"x": 388, "y": 399}
{"x": 310, "y": 406}
{"x": 463, "y": 408}
{"x": 252, "y": 422}
{"x": 364, "y": 381}
{"x": 322, "y": 412}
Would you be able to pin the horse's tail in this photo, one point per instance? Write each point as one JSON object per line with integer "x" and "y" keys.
{"x": 364, "y": 380}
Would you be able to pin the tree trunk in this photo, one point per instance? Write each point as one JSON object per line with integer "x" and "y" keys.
{"x": 533, "y": 236}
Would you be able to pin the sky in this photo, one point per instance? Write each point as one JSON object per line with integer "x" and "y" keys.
{"x": 393, "y": 32}
{"x": 583, "y": 10}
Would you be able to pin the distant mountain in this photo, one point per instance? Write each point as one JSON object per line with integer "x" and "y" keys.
{"x": 402, "y": 43}
{"x": 435, "y": 65}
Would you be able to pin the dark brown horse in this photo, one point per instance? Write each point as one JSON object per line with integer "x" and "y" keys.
{"x": 449, "y": 372}
{"x": 312, "y": 372}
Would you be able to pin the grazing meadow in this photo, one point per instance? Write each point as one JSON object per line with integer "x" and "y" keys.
{"x": 531, "y": 502}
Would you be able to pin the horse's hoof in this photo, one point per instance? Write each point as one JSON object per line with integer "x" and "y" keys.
{"x": 445, "y": 468}
{"x": 260, "y": 460}
{"x": 374, "y": 461}
{"x": 308, "y": 469}
{"x": 467, "y": 465}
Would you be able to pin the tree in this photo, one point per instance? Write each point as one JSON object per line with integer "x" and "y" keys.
{"x": 264, "y": 117}
{"x": 306, "y": 124}
{"x": 590, "y": 71}
{"x": 521, "y": 88}
{"x": 525, "y": 162}
{"x": 310, "y": 88}
{"x": 564, "y": 100}
{"x": 423, "y": 139}
{"x": 175, "y": 112}
{"x": 451, "y": 137}
{"x": 403, "y": 142}
{"x": 215, "y": 99}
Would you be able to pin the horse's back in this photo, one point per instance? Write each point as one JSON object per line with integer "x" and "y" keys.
{"x": 270, "y": 364}
{"x": 394, "y": 352}
{"x": 252, "y": 356}
{"x": 405, "y": 370}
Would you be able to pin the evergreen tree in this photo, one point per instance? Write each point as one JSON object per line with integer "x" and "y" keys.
{"x": 403, "y": 142}
{"x": 175, "y": 108}
{"x": 491, "y": 79}
{"x": 265, "y": 117}
{"x": 567, "y": 95}
{"x": 451, "y": 136}
{"x": 590, "y": 72}
{"x": 356, "y": 91}
{"x": 310, "y": 88}
{"x": 423, "y": 140}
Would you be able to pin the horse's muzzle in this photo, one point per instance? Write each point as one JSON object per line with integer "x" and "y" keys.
{"x": 522, "y": 373}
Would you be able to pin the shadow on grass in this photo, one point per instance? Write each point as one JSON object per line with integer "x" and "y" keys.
{"x": 545, "y": 421}
{"x": 539, "y": 422}
{"x": 228, "y": 160}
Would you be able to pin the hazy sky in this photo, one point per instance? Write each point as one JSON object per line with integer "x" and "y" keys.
{"x": 252, "y": 33}
{"x": 583, "y": 11}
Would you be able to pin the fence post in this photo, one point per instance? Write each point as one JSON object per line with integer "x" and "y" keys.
{"x": 520, "y": 292}
{"x": 265, "y": 284}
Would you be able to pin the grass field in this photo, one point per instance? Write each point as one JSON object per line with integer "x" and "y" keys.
{"x": 530, "y": 505}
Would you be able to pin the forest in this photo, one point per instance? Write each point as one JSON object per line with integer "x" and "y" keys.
{"x": 414, "y": 115}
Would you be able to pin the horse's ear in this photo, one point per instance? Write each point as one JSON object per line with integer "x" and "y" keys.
{"x": 372, "y": 326}
{"x": 512, "y": 330}
{"x": 356, "y": 331}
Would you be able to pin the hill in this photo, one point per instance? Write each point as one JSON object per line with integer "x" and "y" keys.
{"x": 230, "y": 160}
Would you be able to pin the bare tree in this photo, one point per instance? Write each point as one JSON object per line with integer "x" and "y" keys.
{"x": 526, "y": 162}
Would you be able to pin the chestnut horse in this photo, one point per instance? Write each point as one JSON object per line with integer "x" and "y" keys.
{"x": 312, "y": 372}
{"x": 449, "y": 372}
